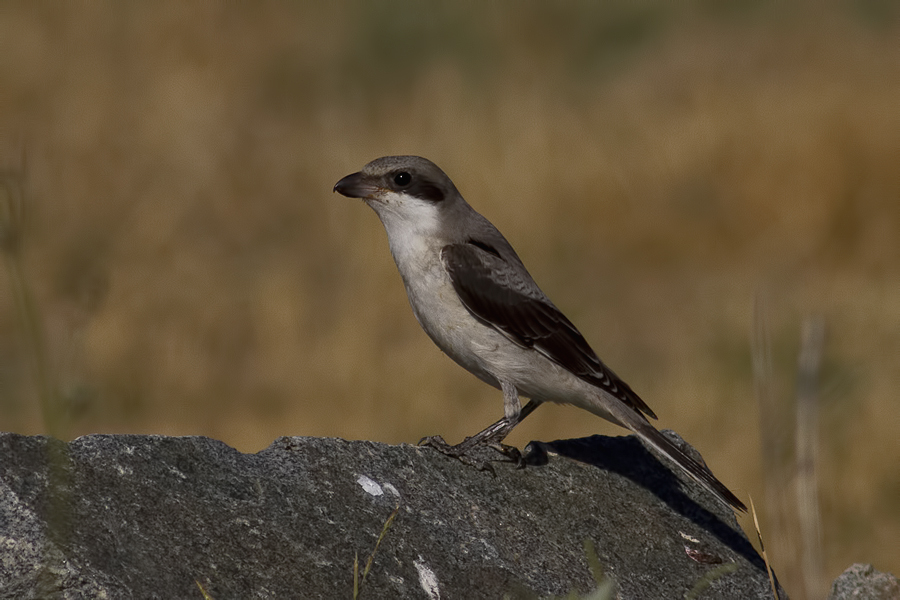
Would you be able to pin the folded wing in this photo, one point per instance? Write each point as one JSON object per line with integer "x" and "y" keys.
{"x": 507, "y": 300}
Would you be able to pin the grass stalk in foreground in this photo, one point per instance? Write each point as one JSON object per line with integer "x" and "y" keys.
{"x": 807, "y": 441}
{"x": 12, "y": 200}
{"x": 762, "y": 549}
{"x": 357, "y": 580}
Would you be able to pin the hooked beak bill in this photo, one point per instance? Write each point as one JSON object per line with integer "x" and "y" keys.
{"x": 355, "y": 185}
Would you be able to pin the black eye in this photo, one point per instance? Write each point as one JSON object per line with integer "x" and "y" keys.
{"x": 402, "y": 178}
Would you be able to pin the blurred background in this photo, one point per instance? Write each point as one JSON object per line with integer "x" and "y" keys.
{"x": 689, "y": 182}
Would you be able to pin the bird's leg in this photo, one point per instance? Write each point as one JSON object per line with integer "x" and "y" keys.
{"x": 492, "y": 436}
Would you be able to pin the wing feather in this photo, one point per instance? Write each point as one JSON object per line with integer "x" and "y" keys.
{"x": 506, "y": 299}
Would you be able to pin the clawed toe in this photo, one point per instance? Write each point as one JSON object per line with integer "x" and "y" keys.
{"x": 436, "y": 442}
{"x": 511, "y": 454}
{"x": 468, "y": 453}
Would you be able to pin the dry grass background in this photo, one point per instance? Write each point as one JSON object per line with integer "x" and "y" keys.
{"x": 660, "y": 168}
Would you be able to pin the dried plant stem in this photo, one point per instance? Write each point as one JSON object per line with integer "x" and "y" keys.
{"x": 812, "y": 341}
{"x": 11, "y": 203}
{"x": 774, "y": 434}
{"x": 762, "y": 549}
{"x": 357, "y": 580}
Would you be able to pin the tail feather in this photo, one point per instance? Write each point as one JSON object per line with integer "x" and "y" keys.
{"x": 699, "y": 472}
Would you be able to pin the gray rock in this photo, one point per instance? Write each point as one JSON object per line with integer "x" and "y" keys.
{"x": 863, "y": 582}
{"x": 127, "y": 516}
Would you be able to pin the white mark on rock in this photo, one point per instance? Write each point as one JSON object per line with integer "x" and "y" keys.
{"x": 369, "y": 486}
{"x": 689, "y": 538}
{"x": 427, "y": 579}
{"x": 392, "y": 490}
{"x": 489, "y": 551}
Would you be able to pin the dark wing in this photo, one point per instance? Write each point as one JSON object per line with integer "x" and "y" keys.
{"x": 506, "y": 299}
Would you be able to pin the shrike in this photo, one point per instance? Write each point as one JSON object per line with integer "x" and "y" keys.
{"x": 476, "y": 300}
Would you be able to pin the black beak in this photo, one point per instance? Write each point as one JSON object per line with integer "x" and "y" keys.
{"x": 354, "y": 186}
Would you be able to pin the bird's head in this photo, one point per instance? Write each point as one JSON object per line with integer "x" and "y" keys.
{"x": 403, "y": 190}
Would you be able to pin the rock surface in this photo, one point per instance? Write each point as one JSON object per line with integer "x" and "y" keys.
{"x": 863, "y": 582}
{"x": 126, "y": 516}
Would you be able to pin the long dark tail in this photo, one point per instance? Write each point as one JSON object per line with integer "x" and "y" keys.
{"x": 700, "y": 473}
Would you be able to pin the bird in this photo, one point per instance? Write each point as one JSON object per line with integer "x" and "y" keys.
{"x": 473, "y": 296}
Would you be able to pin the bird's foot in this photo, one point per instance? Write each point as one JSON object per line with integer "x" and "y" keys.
{"x": 511, "y": 453}
{"x": 471, "y": 454}
{"x": 470, "y": 450}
